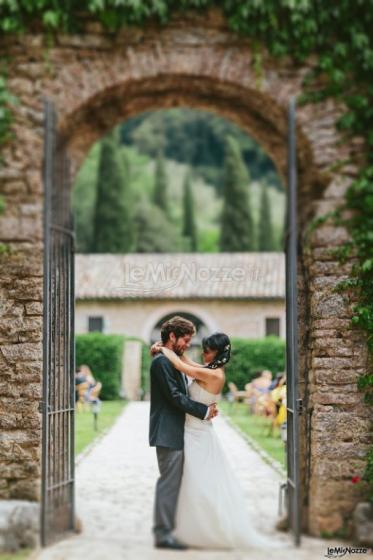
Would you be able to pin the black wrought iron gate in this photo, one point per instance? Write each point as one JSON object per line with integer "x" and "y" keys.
{"x": 57, "y": 406}
{"x": 294, "y": 404}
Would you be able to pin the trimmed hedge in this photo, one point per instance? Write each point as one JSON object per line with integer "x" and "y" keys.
{"x": 248, "y": 357}
{"x": 103, "y": 354}
{"x": 251, "y": 355}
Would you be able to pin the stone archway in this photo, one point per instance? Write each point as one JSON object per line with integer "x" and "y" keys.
{"x": 97, "y": 80}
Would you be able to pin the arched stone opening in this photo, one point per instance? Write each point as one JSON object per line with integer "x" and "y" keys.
{"x": 96, "y": 81}
{"x": 260, "y": 112}
{"x": 259, "y": 115}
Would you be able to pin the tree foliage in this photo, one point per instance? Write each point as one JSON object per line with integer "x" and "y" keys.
{"x": 237, "y": 231}
{"x": 112, "y": 231}
{"x": 265, "y": 226}
{"x": 153, "y": 232}
{"x": 160, "y": 196}
{"x": 196, "y": 138}
{"x": 189, "y": 223}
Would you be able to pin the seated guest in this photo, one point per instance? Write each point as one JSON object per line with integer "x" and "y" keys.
{"x": 260, "y": 387}
{"x": 263, "y": 382}
{"x": 275, "y": 382}
{"x": 85, "y": 374}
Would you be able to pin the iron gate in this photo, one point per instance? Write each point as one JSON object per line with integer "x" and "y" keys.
{"x": 294, "y": 404}
{"x": 57, "y": 406}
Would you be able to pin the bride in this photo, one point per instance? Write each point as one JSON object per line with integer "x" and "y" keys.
{"x": 211, "y": 511}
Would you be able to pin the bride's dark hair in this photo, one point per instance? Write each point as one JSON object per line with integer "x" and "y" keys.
{"x": 220, "y": 342}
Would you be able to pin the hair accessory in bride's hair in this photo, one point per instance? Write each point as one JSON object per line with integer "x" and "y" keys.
{"x": 223, "y": 356}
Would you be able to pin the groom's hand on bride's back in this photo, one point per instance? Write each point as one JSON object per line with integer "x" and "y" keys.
{"x": 213, "y": 411}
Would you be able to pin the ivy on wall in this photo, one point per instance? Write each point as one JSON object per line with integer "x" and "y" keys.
{"x": 338, "y": 33}
{"x": 6, "y": 102}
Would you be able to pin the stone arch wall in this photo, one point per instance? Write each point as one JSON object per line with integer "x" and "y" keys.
{"x": 96, "y": 80}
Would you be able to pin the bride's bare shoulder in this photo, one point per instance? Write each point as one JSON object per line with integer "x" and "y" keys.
{"x": 220, "y": 373}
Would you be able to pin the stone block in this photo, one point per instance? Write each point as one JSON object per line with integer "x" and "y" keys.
{"x": 335, "y": 377}
{"x": 19, "y": 525}
{"x": 27, "y": 289}
{"x": 326, "y": 236}
{"x": 332, "y": 347}
{"x": 328, "y": 305}
{"x": 34, "y": 308}
{"x": 335, "y": 363}
{"x": 363, "y": 524}
{"x": 23, "y": 351}
{"x": 328, "y": 523}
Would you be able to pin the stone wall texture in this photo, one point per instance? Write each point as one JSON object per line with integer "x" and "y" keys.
{"x": 97, "y": 80}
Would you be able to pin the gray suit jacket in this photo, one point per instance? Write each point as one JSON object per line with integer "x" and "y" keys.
{"x": 168, "y": 404}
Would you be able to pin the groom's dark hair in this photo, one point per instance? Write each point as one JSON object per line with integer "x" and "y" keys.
{"x": 179, "y": 326}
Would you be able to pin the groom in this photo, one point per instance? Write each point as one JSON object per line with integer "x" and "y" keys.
{"x": 169, "y": 402}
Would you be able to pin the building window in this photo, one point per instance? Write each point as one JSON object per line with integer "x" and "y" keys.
{"x": 272, "y": 326}
{"x": 95, "y": 324}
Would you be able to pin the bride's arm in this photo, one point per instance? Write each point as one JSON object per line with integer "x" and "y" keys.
{"x": 198, "y": 372}
{"x": 187, "y": 360}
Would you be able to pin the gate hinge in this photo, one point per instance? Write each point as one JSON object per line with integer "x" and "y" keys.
{"x": 299, "y": 406}
{"x": 43, "y": 406}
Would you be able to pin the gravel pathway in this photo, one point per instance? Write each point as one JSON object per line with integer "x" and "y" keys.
{"x": 115, "y": 491}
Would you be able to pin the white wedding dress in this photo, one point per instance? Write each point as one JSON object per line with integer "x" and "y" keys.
{"x": 211, "y": 510}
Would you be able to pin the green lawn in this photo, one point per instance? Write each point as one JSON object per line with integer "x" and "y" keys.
{"x": 84, "y": 427}
{"x": 257, "y": 427}
{"x": 24, "y": 553}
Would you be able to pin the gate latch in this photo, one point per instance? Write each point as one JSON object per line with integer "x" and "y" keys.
{"x": 299, "y": 406}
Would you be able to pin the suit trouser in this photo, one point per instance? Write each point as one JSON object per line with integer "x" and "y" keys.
{"x": 170, "y": 464}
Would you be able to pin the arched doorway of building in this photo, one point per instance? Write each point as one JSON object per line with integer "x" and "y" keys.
{"x": 201, "y": 328}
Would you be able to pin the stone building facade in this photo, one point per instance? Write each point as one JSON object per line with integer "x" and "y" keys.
{"x": 242, "y": 294}
{"x": 96, "y": 80}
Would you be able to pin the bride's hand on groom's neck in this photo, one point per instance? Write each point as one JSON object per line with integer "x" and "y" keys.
{"x": 155, "y": 348}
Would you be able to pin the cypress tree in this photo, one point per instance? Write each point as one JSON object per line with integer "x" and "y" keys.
{"x": 160, "y": 184}
{"x": 265, "y": 234}
{"x": 237, "y": 229}
{"x": 112, "y": 229}
{"x": 189, "y": 224}
{"x": 153, "y": 233}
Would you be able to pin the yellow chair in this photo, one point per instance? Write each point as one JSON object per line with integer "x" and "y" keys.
{"x": 279, "y": 397}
